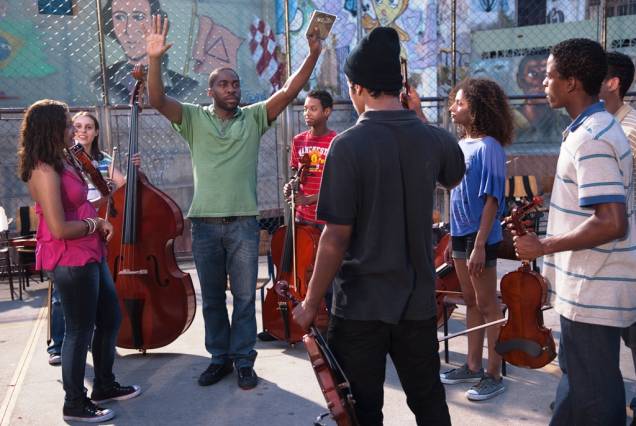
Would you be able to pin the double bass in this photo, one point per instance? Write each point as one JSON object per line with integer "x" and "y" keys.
{"x": 333, "y": 382}
{"x": 523, "y": 340}
{"x": 294, "y": 249}
{"x": 156, "y": 298}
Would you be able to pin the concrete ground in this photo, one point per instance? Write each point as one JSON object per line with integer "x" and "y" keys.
{"x": 31, "y": 390}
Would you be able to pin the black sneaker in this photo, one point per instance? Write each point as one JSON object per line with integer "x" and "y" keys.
{"x": 247, "y": 378}
{"x": 88, "y": 412}
{"x": 214, "y": 373}
{"x": 264, "y": 336}
{"x": 115, "y": 392}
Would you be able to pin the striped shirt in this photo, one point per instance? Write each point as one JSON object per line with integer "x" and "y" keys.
{"x": 317, "y": 148}
{"x": 626, "y": 115}
{"x": 597, "y": 285}
{"x": 102, "y": 165}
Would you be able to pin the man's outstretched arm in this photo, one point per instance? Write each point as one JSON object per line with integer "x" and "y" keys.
{"x": 283, "y": 97}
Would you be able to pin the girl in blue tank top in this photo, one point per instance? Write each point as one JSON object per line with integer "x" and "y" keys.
{"x": 480, "y": 109}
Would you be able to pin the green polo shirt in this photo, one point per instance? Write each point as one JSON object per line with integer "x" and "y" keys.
{"x": 224, "y": 158}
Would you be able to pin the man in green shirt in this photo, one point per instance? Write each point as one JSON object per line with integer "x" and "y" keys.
{"x": 223, "y": 140}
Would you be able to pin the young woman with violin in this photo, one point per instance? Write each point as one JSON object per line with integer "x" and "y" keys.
{"x": 480, "y": 108}
{"x": 70, "y": 244}
{"x": 87, "y": 134}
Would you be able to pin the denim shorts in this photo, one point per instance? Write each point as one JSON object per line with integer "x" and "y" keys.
{"x": 463, "y": 247}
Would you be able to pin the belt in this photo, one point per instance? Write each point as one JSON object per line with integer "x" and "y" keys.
{"x": 217, "y": 220}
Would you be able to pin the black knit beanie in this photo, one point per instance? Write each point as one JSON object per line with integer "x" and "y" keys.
{"x": 375, "y": 62}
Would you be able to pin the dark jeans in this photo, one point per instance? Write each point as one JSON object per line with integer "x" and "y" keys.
{"x": 57, "y": 321}
{"x": 90, "y": 309}
{"x": 361, "y": 348}
{"x": 591, "y": 390}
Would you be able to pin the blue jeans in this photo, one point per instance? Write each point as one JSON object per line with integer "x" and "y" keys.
{"x": 591, "y": 390}
{"x": 219, "y": 250}
{"x": 90, "y": 308}
{"x": 57, "y": 321}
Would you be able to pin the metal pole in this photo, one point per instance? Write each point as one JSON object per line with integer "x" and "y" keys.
{"x": 105, "y": 116}
{"x": 102, "y": 51}
{"x": 603, "y": 24}
{"x": 453, "y": 43}
{"x": 286, "y": 122}
{"x": 193, "y": 17}
{"x": 287, "y": 39}
{"x": 359, "y": 20}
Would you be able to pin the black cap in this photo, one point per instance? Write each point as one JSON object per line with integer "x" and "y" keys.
{"x": 375, "y": 62}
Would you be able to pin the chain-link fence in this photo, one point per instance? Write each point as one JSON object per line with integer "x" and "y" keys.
{"x": 82, "y": 52}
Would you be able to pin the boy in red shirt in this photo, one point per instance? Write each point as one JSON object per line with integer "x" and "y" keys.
{"x": 315, "y": 142}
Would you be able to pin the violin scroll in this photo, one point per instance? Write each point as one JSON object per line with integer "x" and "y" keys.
{"x": 515, "y": 220}
{"x": 139, "y": 73}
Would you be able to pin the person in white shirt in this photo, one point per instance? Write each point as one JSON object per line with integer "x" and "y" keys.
{"x": 588, "y": 251}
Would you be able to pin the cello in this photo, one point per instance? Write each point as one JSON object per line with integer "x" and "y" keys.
{"x": 333, "y": 383}
{"x": 156, "y": 298}
{"x": 446, "y": 281}
{"x": 523, "y": 340}
{"x": 293, "y": 250}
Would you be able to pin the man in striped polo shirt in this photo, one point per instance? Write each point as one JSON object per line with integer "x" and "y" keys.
{"x": 620, "y": 76}
{"x": 589, "y": 255}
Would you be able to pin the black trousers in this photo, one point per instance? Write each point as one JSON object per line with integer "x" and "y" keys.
{"x": 361, "y": 348}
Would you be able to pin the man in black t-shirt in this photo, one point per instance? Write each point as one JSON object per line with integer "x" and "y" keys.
{"x": 376, "y": 196}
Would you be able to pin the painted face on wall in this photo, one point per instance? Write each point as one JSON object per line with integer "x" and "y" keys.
{"x": 387, "y": 11}
{"x": 531, "y": 76}
{"x": 128, "y": 17}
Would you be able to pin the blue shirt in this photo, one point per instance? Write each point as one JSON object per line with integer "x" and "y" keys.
{"x": 485, "y": 175}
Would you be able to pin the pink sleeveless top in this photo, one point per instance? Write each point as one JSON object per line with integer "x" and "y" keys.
{"x": 51, "y": 252}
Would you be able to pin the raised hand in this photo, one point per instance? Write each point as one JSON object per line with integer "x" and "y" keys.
{"x": 314, "y": 42}
{"x": 156, "y": 37}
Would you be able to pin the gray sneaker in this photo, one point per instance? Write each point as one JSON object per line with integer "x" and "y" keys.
{"x": 461, "y": 375}
{"x": 487, "y": 388}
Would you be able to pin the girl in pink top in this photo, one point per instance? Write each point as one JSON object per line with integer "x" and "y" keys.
{"x": 70, "y": 244}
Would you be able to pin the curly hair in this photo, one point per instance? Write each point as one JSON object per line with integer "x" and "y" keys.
{"x": 95, "y": 153}
{"x": 582, "y": 59}
{"x": 42, "y": 137}
{"x": 489, "y": 109}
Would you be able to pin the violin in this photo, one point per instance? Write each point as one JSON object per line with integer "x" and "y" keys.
{"x": 157, "y": 298}
{"x": 332, "y": 381}
{"x": 85, "y": 164}
{"x": 293, "y": 249}
{"x": 524, "y": 341}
